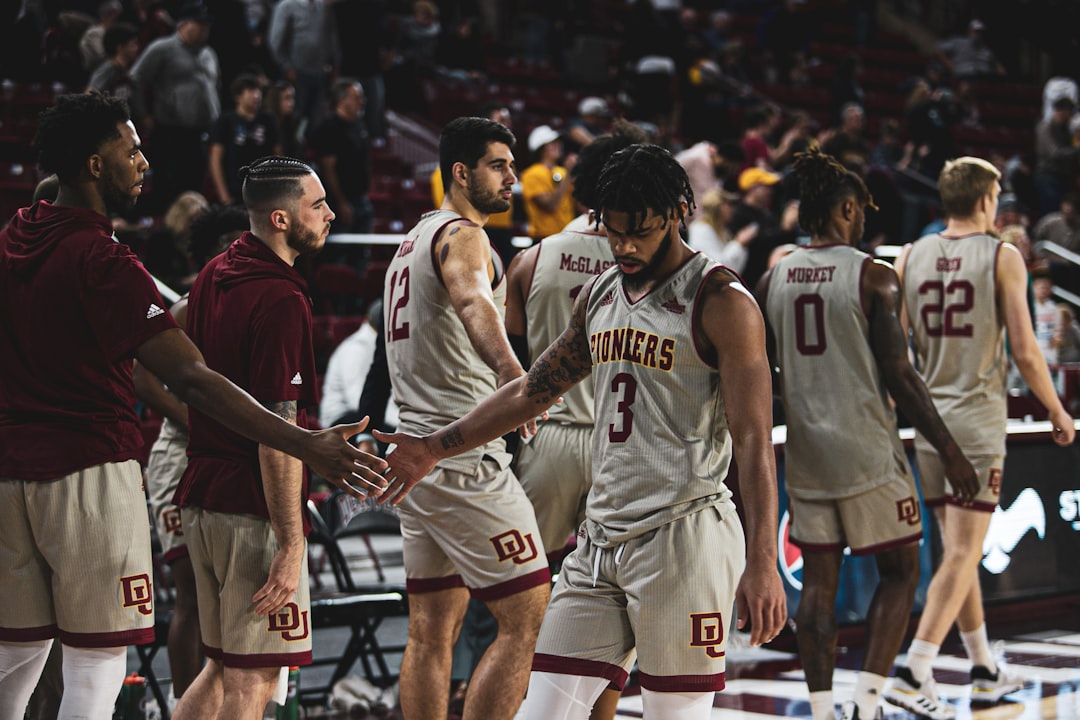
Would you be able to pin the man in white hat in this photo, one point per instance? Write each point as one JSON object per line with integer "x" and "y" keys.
{"x": 546, "y": 185}
{"x": 594, "y": 119}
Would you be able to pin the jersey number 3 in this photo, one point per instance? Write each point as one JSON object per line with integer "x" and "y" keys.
{"x": 624, "y": 386}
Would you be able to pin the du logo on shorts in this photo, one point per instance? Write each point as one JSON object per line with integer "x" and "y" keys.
{"x": 907, "y": 510}
{"x": 707, "y": 631}
{"x": 138, "y": 594}
{"x": 512, "y": 545}
{"x": 290, "y": 622}
{"x": 170, "y": 520}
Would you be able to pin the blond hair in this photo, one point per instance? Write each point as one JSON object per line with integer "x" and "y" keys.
{"x": 188, "y": 206}
{"x": 963, "y": 182}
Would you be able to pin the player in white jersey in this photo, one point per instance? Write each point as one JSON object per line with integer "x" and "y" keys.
{"x": 555, "y": 466}
{"x": 834, "y": 314}
{"x": 963, "y": 290}
{"x": 676, "y": 348}
{"x": 469, "y": 528}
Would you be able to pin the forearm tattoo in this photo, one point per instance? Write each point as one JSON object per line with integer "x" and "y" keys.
{"x": 285, "y": 409}
{"x": 452, "y": 439}
{"x": 564, "y": 364}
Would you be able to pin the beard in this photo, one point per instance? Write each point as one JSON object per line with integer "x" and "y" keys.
{"x": 117, "y": 201}
{"x": 638, "y": 280}
{"x": 304, "y": 240}
{"x": 486, "y": 201}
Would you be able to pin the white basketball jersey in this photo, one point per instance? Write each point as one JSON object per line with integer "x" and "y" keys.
{"x": 436, "y": 374}
{"x": 842, "y": 437}
{"x": 661, "y": 447}
{"x": 950, "y": 291}
{"x": 564, "y": 263}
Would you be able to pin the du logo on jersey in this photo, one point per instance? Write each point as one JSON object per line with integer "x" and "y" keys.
{"x": 1008, "y": 528}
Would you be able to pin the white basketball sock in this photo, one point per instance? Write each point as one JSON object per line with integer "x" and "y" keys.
{"x": 685, "y": 706}
{"x": 20, "y": 667}
{"x": 977, "y": 645}
{"x": 868, "y": 687}
{"x": 554, "y": 696}
{"x": 920, "y": 658}
{"x": 92, "y": 680}
{"x": 822, "y": 705}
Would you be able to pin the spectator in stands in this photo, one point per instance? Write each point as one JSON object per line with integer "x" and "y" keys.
{"x": 849, "y": 144}
{"x": 930, "y": 117}
{"x": 364, "y": 37}
{"x": 761, "y": 123}
{"x": 1011, "y": 211}
{"x": 1067, "y": 337}
{"x": 890, "y": 151}
{"x": 240, "y": 137}
{"x": 756, "y": 207}
{"x": 280, "y": 102}
{"x": 785, "y": 34}
{"x": 1058, "y": 87}
{"x": 348, "y": 369}
{"x": 1062, "y": 226}
{"x": 1055, "y": 156}
{"x": 594, "y": 118}
{"x": 92, "y": 42}
{"x": 708, "y": 165}
{"x": 546, "y": 185}
{"x": 167, "y": 256}
{"x": 1045, "y": 313}
{"x": 708, "y": 232}
{"x": 412, "y": 57}
{"x": 180, "y": 73}
{"x": 968, "y": 57}
{"x": 343, "y": 150}
{"x": 844, "y": 86}
{"x": 303, "y": 41}
{"x": 113, "y": 76}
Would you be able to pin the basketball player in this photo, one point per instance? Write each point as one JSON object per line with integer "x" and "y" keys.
{"x": 555, "y": 466}
{"x": 834, "y": 313}
{"x": 963, "y": 291}
{"x": 75, "y": 308}
{"x": 469, "y": 529}
{"x": 676, "y": 346}
{"x": 211, "y": 233}
{"x": 242, "y": 503}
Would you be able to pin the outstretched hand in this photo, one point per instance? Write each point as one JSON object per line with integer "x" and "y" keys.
{"x": 353, "y": 471}
{"x": 407, "y": 464}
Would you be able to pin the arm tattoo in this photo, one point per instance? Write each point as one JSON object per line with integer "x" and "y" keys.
{"x": 565, "y": 363}
{"x": 285, "y": 409}
{"x": 452, "y": 439}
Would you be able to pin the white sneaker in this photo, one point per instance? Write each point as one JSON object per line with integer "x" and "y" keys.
{"x": 919, "y": 698}
{"x": 989, "y": 686}
{"x": 850, "y": 711}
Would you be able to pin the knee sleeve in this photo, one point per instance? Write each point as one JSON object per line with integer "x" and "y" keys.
{"x": 553, "y": 696}
{"x": 92, "y": 680}
{"x": 685, "y": 706}
{"x": 20, "y": 668}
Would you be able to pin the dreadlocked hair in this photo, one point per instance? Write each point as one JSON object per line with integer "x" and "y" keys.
{"x": 824, "y": 182}
{"x": 272, "y": 179}
{"x": 75, "y": 128}
{"x": 643, "y": 177}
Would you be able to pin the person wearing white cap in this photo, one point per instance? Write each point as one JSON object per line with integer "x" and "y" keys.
{"x": 546, "y": 185}
{"x": 594, "y": 119}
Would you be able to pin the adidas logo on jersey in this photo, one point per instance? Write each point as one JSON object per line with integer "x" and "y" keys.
{"x": 608, "y": 299}
{"x": 672, "y": 305}
{"x": 297, "y": 380}
{"x": 153, "y": 311}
